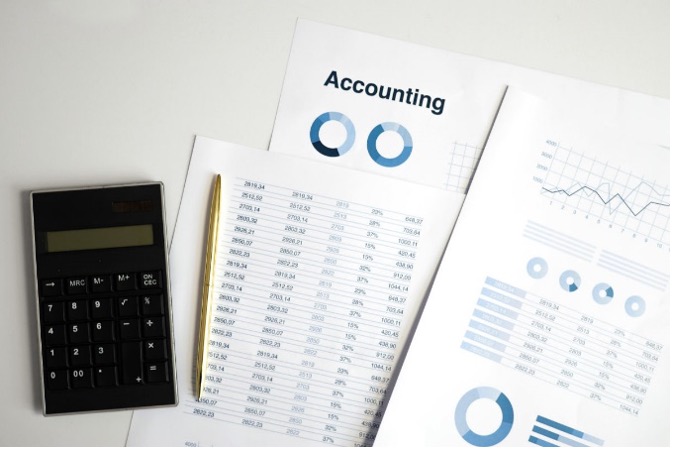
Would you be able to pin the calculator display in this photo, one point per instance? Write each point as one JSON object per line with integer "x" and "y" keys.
{"x": 99, "y": 238}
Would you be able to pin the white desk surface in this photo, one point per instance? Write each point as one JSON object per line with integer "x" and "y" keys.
{"x": 114, "y": 91}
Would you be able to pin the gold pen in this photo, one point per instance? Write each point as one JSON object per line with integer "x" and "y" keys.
{"x": 209, "y": 270}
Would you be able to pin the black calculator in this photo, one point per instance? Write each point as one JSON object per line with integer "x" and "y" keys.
{"x": 103, "y": 299}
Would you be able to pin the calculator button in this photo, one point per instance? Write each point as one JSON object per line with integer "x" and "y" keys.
{"x": 156, "y": 373}
{"x": 103, "y": 331}
{"x": 80, "y": 356}
{"x": 77, "y": 310}
{"x": 78, "y": 333}
{"x": 76, "y": 286}
{"x": 50, "y": 287}
{"x": 154, "y": 350}
{"x": 57, "y": 379}
{"x": 100, "y": 284}
{"x": 153, "y": 327}
{"x": 106, "y": 376}
{"x": 125, "y": 281}
{"x": 104, "y": 354}
{"x": 55, "y": 335}
{"x": 101, "y": 308}
{"x": 129, "y": 329}
{"x": 56, "y": 357}
{"x": 53, "y": 312}
{"x": 152, "y": 305}
{"x": 149, "y": 280}
{"x": 81, "y": 378}
{"x": 128, "y": 306}
{"x": 131, "y": 363}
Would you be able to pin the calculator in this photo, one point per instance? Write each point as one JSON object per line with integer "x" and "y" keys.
{"x": 103, "y": 299}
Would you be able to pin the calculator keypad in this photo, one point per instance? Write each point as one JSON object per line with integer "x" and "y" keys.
{"x": 104, "y": 331}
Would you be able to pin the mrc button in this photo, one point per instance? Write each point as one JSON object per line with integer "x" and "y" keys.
{"x": 149, "y": 280}
{"x": 76, "y": 285}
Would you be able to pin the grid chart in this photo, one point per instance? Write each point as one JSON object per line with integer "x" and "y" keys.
{"x": 608, "y": 192}
{"x": 463, "y": 160}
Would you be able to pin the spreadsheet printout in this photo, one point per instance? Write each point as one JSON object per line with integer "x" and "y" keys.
{"x": 321, "y": 272}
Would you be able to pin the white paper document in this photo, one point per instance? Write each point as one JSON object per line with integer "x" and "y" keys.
{"x": 321, "y": 272}
{"x": 421, "y": 114}
{"x": 548, "y": 321}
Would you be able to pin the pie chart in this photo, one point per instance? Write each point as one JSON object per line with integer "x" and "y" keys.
{"x": 504, "y": 404}
{"x": 570, "y": 280}
{"x": 603, "y": 293}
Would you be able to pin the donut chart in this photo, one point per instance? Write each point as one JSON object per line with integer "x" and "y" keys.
{"x": 504, "y": 404}
{"x": 570, "y": 280}
{"x": 537, "y": 267}
{"x": 379, "y": 158}
{"x": 603, "y": 293}
{"x": 635, "y": 306}
{"x": 316, "y": 128}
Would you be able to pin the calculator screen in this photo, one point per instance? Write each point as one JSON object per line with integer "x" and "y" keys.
{"x": 100, "y": 238}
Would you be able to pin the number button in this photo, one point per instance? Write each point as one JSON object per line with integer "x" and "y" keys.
{"x": 80, "y": 356}
{"x": 53, "y": 312}
{"x": 101, "y": 308}
{"x": 78, "y": 333}
{"x": 81, "y": 378}
{"x": 56, "y": 357}
{"x": 55, "y": 335}
{"x": 103, "y": 331}
{"x": 104, "y": 354}
{"x": 77, "y": 310}
{"x": 57, "y": 379}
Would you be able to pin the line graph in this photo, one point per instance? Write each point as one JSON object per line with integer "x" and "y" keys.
{"x": 622, "y": 197}
{"x": 607, "y": 199}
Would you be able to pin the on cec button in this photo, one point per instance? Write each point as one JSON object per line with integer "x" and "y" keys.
{"x": 149, "y": 280}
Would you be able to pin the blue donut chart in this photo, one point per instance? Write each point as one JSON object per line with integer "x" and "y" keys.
{"x": 316, "y": 128}
{"x": 567, "y": 285}
{"x": 635, "y": 306}
{"x": 603, "y": 293}
{"x": 379, "y": 158}
{"x": 537, "y": 267}
{"x": 504, "y": 404}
